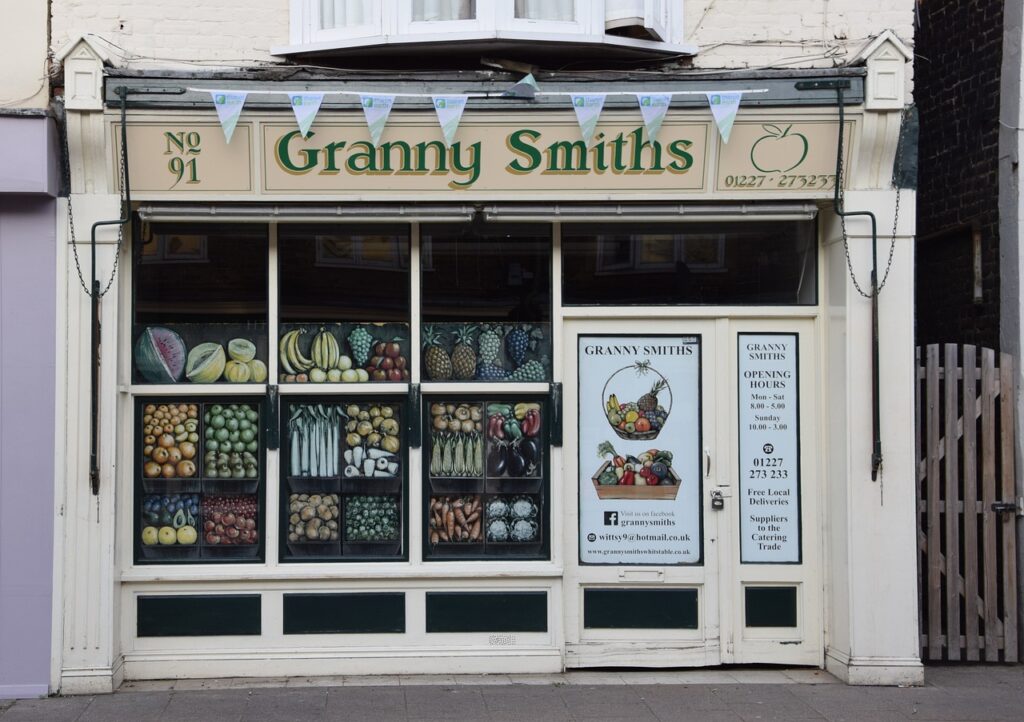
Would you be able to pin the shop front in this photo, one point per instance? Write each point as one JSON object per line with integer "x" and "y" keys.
{"x": 513, "y": 403}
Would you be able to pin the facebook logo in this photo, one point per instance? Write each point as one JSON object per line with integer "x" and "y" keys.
{"x": 611, "y": 518}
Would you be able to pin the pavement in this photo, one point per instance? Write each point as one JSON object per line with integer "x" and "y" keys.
{"x": 978, "y": 692}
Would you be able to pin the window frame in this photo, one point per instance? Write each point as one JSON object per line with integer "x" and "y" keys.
{"x": 392, "y": 25}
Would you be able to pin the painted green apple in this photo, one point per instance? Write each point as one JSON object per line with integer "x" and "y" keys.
{"x": 167, "y": 535}
{"x": 779, "y": 151}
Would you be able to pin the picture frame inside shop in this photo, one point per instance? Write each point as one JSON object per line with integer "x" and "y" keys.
{"x": 175, "y": 248}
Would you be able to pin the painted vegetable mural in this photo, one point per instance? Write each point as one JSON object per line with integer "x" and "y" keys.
{"x": 455, "y": 519}
{"x": 368, "y": 432}
{"x": 514, "y": 449}
{"x": 484, "y": 471}
{"x": 314, "y": 518}
{"x": 647, "y": 475}
{"x": 457, "y": 444}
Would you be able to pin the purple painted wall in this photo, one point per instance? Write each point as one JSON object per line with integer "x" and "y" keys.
{"x": 28, "y": 298}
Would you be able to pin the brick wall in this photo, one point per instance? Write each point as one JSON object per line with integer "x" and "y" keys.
{"x": 730, "y": 33}
{"x": 959, "y": 50}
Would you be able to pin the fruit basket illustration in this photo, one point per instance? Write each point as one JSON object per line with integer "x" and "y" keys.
{"x": 649, "y": 475}
{"x": 643, "y": 418}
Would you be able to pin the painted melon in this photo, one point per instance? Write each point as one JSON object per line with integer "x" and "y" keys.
{"x": 160, "y": 355}
{"x": 258, "y": 371}
{"x": 205, "y": 363}
{"x": 237, "y": 372}
{"x": 241, "y": 349}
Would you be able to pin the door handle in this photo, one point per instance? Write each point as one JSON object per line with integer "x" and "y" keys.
{"x": 707, "y": 463}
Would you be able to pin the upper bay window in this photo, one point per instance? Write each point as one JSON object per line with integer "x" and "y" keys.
{"x": 624, "y": 27}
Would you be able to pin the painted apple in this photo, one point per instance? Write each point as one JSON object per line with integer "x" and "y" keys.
{"x": 779, "y": 151}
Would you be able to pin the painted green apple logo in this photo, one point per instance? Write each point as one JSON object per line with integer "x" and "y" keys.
{"x": 779, "y": 147}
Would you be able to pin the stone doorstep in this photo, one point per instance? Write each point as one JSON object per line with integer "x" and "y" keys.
{"x": 575, "y": 678}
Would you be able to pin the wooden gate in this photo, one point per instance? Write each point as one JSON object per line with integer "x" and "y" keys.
{"x": 967, "y": 504}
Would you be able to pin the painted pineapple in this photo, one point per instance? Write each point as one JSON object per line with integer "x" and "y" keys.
{"x": 649, "y": 401}
{"x": 463, "y": 355}
{"x": 436, "y": 360}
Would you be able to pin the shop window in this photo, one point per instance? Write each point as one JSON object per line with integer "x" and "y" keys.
{"x": 199, "y": 479}
{"x": 200, "y": 304}
{"x": 486, "y": 303}
{"x": 344, "y": 304}
{"x": 344, "y": 464}
{"x": 763, "y": 263}
{"x": 486, "y": 472}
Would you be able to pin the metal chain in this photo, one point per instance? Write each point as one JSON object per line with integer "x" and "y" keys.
{"x": 842, "y": 222}
{"x": 71, "y": 217}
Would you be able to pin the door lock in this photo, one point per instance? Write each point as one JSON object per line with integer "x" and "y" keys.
{"x": 717, "y": 500}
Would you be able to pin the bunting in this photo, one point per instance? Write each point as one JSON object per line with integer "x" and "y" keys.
{"x": 376, "y": 108}
{"x": 229, "y": 107}
{"x": 305, "y": 106}
{"x": 588, "y": 111}
{"x": 724, "y": 107}
{"x": 449, "y": 112}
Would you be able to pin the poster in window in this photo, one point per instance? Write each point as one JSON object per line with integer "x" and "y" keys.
{"x": 769, "y": 463}
{"x": 639, "y": 457}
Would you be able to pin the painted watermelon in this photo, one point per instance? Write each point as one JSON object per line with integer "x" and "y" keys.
{"x": 160, "y": 355}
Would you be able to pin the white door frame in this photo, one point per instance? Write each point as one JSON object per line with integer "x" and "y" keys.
{"x": 721, "y": 637}
{"x": 640, "y": 647}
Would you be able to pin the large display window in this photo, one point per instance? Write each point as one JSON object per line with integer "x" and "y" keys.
{"x": 343, "y": 478}
{"x": 344, "y": 303}
{"x": 486, "y": 477}
{"x": 200, "y": 304}
{"x": 656, "y": 264}
{"x": 199, "y": 472}
{"x": 486, "y": 303}
{"x": 339, "y": 300}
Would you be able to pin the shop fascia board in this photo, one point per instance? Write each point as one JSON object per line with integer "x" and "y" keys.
{"x": 492, "y": 212}
{"x": 781, "y": 87}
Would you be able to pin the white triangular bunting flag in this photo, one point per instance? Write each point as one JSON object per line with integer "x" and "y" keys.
{"x": 376, "y": 108}
{"x": 229, "y": 107}
{"x": 724, "y": 107}
{"x": 525, "y": 88}
{"x": 653, "y": 107}
{"x": 588, "y": 111}
{"x": 449, "y": 112}
{"x": 306, "y": 106}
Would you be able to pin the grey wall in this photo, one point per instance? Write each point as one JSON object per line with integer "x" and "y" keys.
{"x": 28, "y": 297}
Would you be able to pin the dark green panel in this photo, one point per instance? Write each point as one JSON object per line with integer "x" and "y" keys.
{"x": 487, "y": 611}
{"x": 199, "y": 616}
{"x": 771, "y": 606}
{"x": 344, "y": 613}
{"x": 640, "y": 609}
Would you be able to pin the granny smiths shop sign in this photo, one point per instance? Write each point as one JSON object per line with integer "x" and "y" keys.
{"x": 492, "y": 155}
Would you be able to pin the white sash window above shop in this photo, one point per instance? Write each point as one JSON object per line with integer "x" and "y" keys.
{"x": 632, "y": 27}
